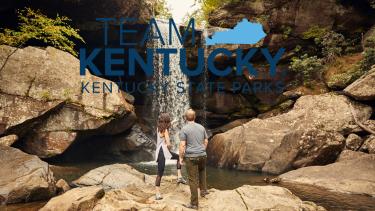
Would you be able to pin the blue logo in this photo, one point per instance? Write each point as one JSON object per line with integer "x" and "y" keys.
{"x": 244, "y": 32}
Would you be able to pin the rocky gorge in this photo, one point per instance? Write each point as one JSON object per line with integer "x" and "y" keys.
{"x": 319, "y": 134}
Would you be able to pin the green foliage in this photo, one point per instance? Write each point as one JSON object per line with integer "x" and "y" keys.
{"x": 46, "y": 96}
{"x": 198, "y": 18}
{"x": 287, "y": 30}
{"x": 162, "y": 10}
{"x": 368, "y": 59}
{"x": 315, "y": 32}
{"x": 333, "y": 44}
{"x": 307, "y": 67}
{"x": 35, "y": 26}
{"x": 210, "y": 5}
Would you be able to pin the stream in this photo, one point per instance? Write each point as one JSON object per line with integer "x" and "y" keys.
{"x": 222, "y": 179}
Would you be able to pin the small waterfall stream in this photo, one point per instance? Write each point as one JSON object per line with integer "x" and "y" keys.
{"x": 168, "y": 99}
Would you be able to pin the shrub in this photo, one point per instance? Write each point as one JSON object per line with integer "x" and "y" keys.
{"x": 35, "y": 26}
{"x": 315, "y": 32}
{"x": 332, "y": 44}
{"x": 161, "y": 9}
{"x": 368, "y": 59}
{"x": 307, "y": 66}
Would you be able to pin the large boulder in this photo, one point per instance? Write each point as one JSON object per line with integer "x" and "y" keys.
{"x": 112, "y": 176}
{"x": 363, "y": 88}
{"x": 76, "y": 199}
{"x": 249, "y": 146}
{"x": 46, "y": 102}
{"x": 350, "y": 155}
{"x": 24, "y": 177}
{"x": 369, "y": 145}
{"x": 353, "y": 142}
{"x": 305, "y": 148}
{"x": 350, "y": 175}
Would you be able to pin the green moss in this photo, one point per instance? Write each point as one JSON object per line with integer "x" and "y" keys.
{"x": 46, "y": 96}
{"x": 35, "y": 26}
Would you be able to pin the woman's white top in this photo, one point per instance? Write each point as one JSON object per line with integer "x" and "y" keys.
{"x": 160, "y": 144}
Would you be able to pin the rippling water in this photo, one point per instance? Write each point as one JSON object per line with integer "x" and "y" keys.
{"x": 220, "y": 179}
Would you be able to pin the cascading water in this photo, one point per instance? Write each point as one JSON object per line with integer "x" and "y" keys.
{"x": 168, "y": 99}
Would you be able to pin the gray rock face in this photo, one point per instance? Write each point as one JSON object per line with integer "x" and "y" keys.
{"x": 251, "y": 145}
{"x": 76, "y": 199}
{"x": 46, "y": 102}
{"x": 24, "y": 177}
{"x": 353, "y": 142}
{"x": 349, "y": 175}
{"x": 112, "y": 176}
{"x": 369, "y": 145}
{"x": 305, "y": 148}
{"x": 363, "y": 88}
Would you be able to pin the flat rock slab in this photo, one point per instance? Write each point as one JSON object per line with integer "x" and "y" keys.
{"x": 353, "y": 174}
{"x": 76, "y": 199}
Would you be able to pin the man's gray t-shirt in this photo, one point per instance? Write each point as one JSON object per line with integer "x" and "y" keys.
{"x": 194, "y": 135}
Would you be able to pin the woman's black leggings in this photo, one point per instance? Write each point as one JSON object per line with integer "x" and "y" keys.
{"x": 161, "y": 164}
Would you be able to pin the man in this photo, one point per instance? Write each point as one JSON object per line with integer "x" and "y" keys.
{"x": 193, "y": 144}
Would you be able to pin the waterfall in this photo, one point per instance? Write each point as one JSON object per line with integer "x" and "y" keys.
{"x": 169, "y": 100}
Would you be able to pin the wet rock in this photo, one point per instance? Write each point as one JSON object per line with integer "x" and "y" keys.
{"x": 249, "y": 146}
{"x": 369, "y": 145}
{"x": 349, "y": 176}
{"x": 44, "y": 105}
{"x": 83, "y": 198}
{"x": 350, "y": 155}
{"x": 353, "y": 142}
{"x": 23, "y": 177}
{"x": 8, "y": 140}
{"x": 363, "y": 88}
{"x": 305, "y": 148}
{"x": 112, "y": 176}
{"x": 62, "y": 186}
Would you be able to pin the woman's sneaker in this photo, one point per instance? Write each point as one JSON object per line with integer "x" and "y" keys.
{"x": 181, "y": 180}
{"x": 158, "y": 196}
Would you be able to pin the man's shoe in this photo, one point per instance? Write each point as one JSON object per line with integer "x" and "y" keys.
{"x": 190, "y": 206}
{"x": 158, "y": 196}
{"x": 204, "y": 193}
{"x": 181, "y": 180}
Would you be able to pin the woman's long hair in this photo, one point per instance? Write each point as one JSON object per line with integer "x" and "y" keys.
{"x": 164, "y": 122}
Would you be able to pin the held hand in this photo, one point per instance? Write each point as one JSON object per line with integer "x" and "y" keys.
{"x": 169, "y": 146}
{"x": 182, "y": 162}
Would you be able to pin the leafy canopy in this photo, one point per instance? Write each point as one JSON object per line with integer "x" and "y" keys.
{"x": 35, "y": 26}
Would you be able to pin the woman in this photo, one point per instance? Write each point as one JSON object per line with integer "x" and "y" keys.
{"x": 162, "y": 152}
